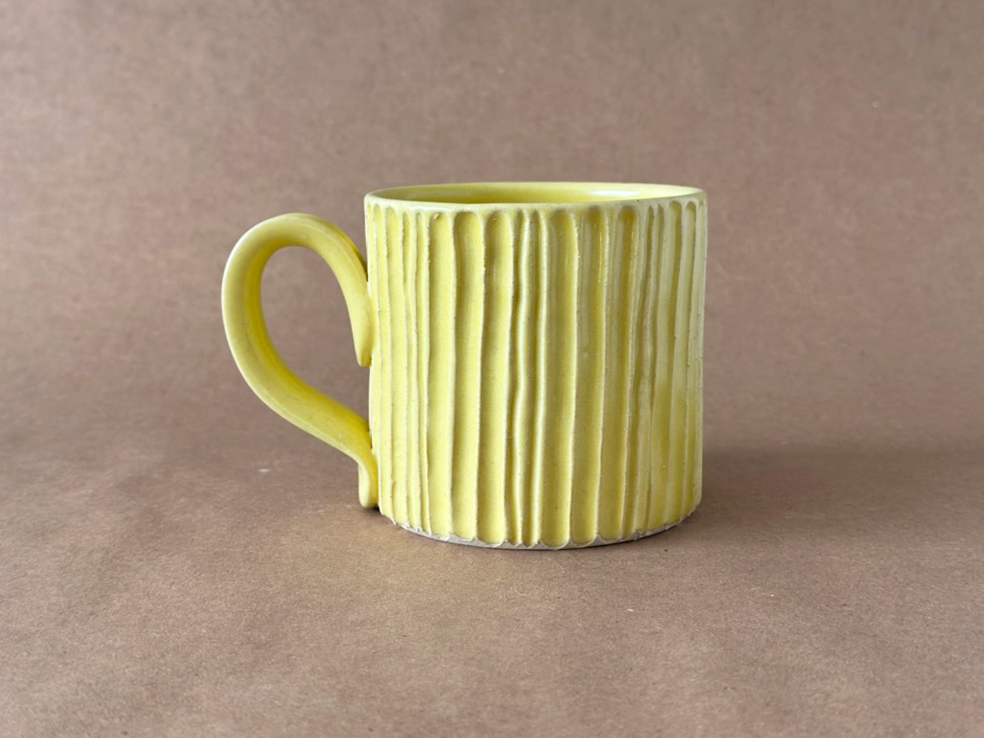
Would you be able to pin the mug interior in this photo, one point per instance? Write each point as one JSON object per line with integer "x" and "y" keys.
{"x": 532, "y": 193}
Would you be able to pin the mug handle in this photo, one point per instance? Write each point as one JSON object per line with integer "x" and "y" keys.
{"x": 257, "y": 359}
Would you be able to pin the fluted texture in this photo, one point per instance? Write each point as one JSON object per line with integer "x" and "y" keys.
{"x": 537, "y": 375}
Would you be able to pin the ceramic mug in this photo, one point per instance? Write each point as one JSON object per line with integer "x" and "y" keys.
{"x": 535, "y": 354}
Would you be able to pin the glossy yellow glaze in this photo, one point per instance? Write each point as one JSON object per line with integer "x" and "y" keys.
{"x": 536, "y": 356}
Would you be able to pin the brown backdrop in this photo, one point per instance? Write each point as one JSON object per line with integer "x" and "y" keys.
{"x": 175, "y": 560}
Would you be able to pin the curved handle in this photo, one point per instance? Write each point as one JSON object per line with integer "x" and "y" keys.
{"x": 257, "y": 359}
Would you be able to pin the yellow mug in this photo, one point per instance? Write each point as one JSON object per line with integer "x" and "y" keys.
{"x": 535, "y": 353}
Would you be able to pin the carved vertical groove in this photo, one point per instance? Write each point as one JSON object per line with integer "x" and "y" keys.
{"x": 440, "y": 385}
{"x": 535, "y": 352}
{"x": 640, "y": 393}
{"x": 422, "y": 287}
{"x": 593, "y": 257}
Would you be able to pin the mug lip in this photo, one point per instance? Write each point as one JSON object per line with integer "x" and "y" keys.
{"x": 586, "y": 194}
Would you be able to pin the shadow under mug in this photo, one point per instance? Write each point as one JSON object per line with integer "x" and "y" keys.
{"x": 535, "y": 353}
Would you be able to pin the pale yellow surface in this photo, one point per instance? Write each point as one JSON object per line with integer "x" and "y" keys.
{"x": 258, "y": 360}
{"x": 536, "y": 356}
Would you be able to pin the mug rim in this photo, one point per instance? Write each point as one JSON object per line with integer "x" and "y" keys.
{"x": 472, "y": 195}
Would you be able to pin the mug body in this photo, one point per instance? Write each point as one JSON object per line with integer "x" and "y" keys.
{"x": 537, "y": 364}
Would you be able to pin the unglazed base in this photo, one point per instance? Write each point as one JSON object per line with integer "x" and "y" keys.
{"x": 477, "y": 543}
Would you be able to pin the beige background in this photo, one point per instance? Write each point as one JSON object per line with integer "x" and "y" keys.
{"x": 175, "y": 560}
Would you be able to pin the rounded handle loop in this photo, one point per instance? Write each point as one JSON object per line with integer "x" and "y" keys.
{"x": 256, "y": 357}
